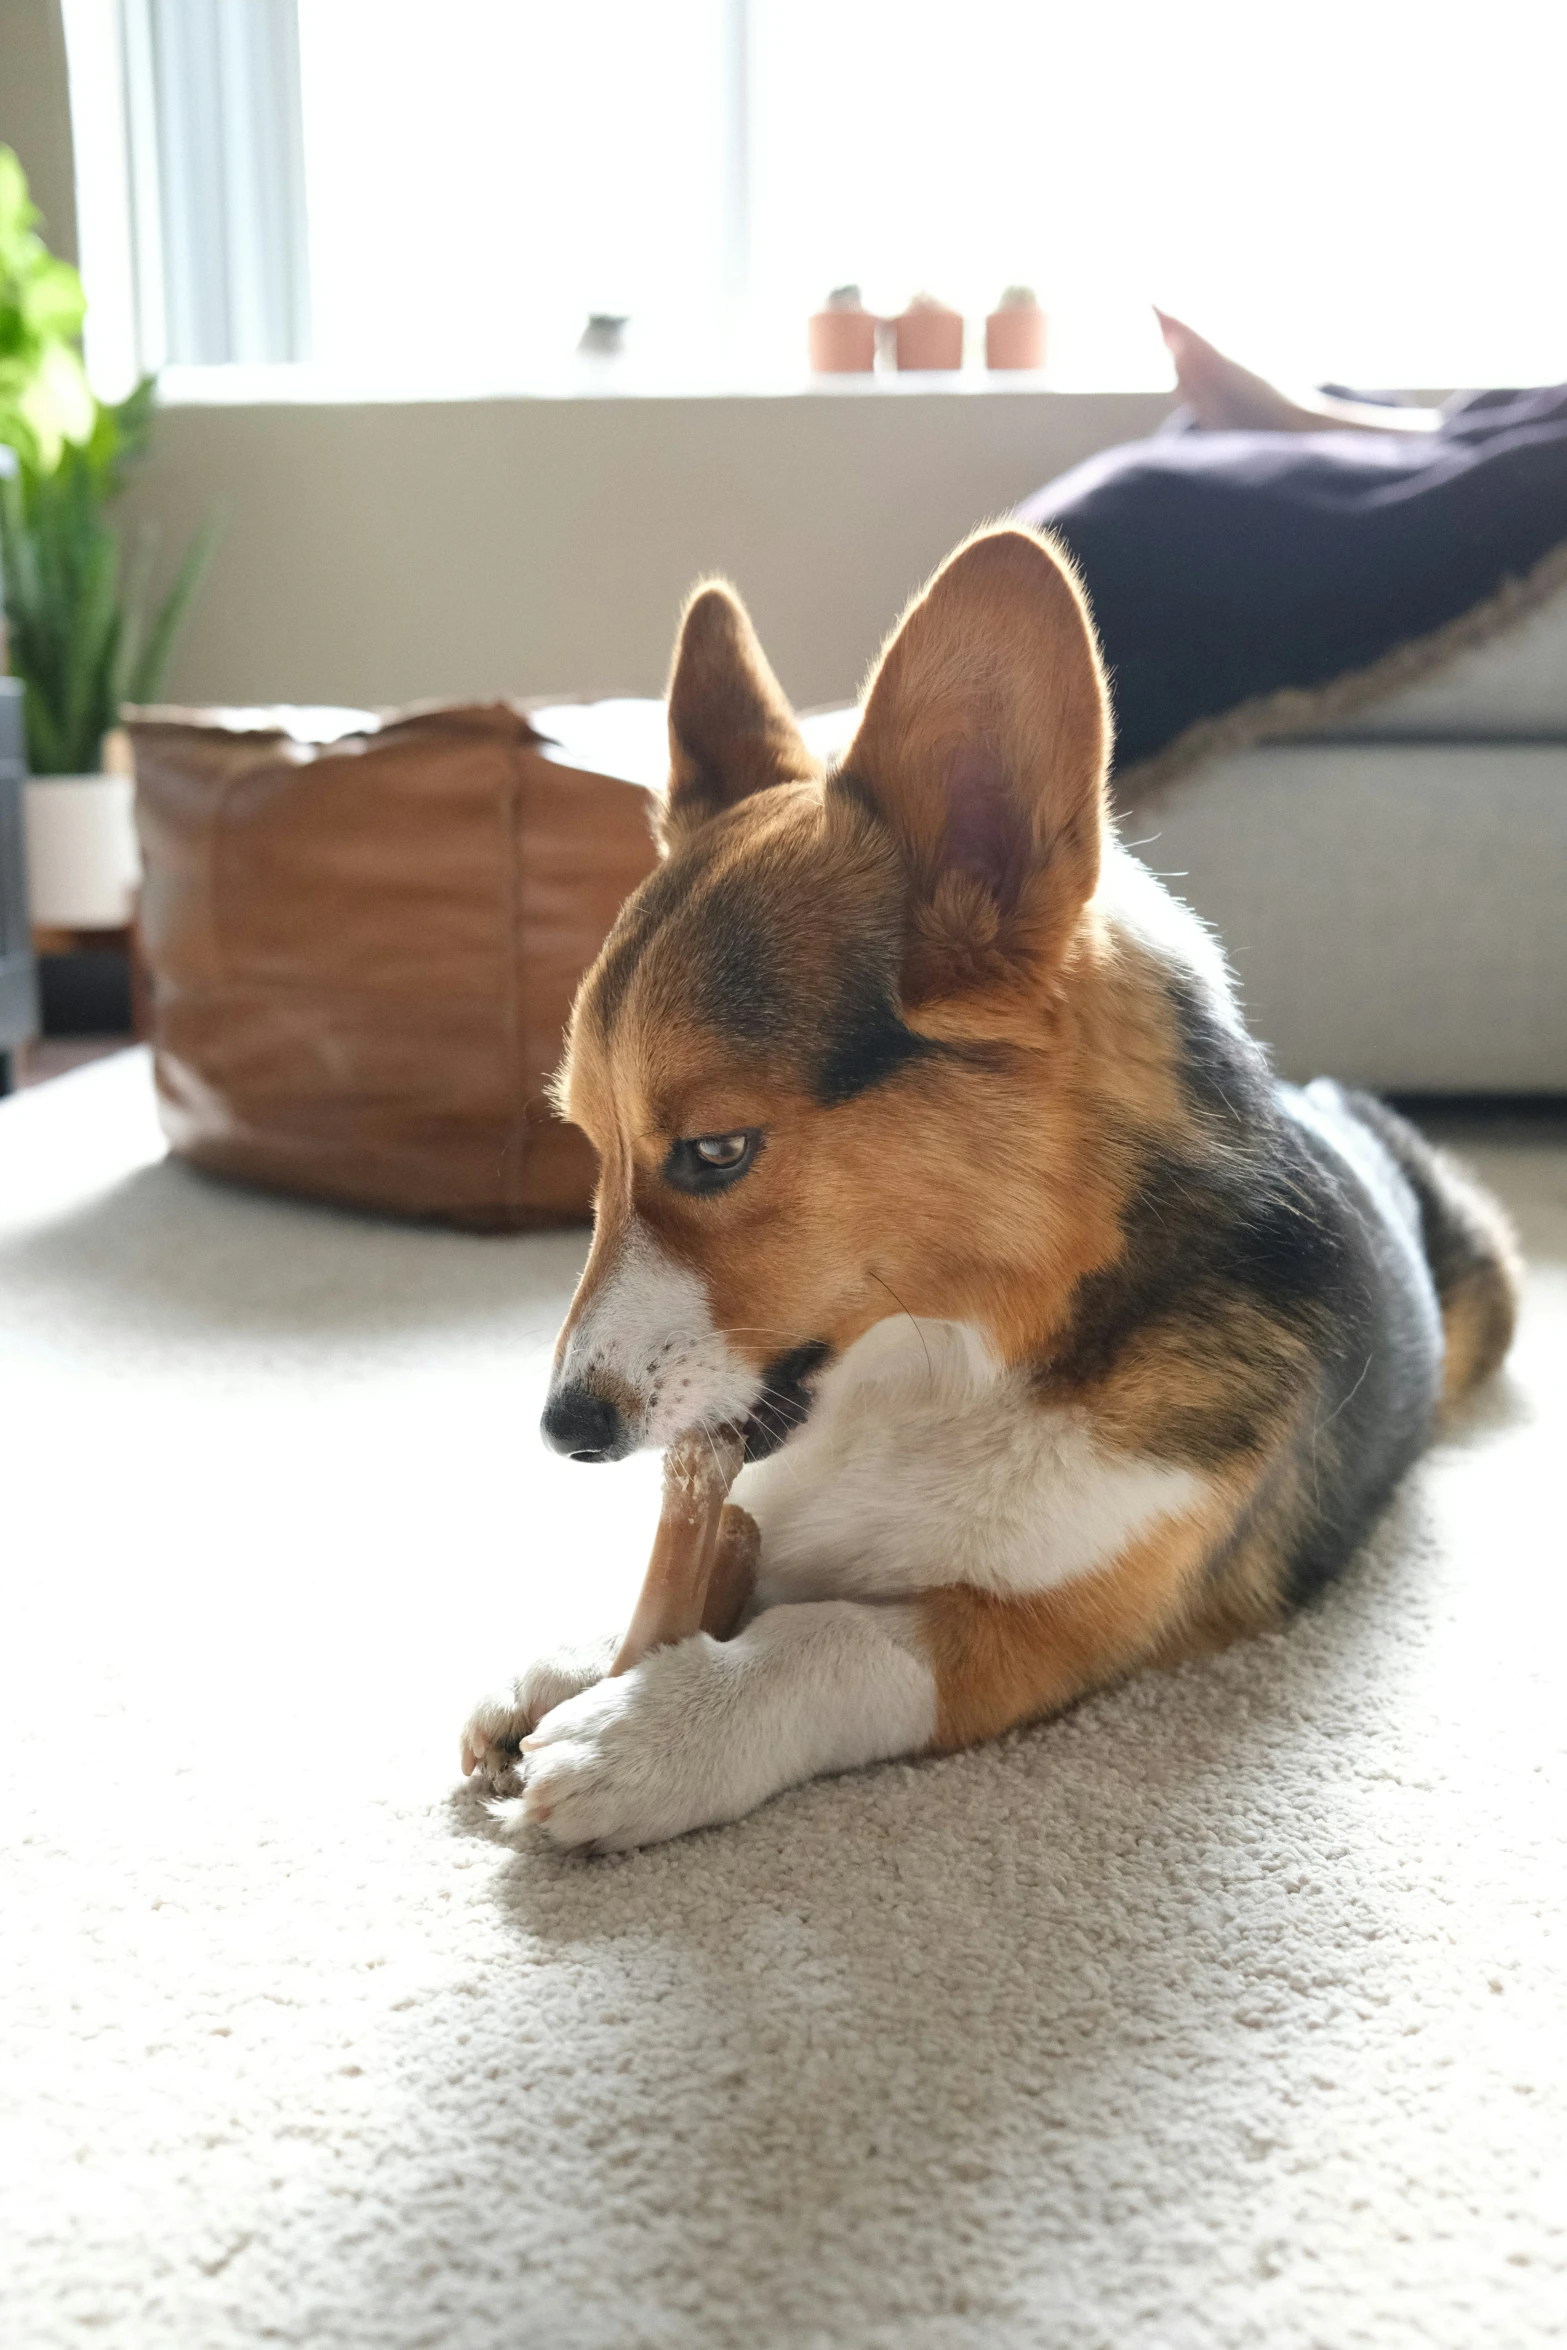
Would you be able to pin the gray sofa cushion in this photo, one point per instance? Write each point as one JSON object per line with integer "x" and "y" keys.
{"x": 1514, "y": 686}
{"x": 1396, "y": 914}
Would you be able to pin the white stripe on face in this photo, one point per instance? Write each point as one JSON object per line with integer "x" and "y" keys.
{"x": 648, "y": 1330}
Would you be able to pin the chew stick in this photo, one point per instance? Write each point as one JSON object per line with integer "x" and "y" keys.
{"x": 734, "y": 1572}
{"x": 696, "y": 1536}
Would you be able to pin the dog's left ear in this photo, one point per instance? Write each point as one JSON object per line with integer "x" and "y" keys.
{"x": 983, "y": 749}
{"x": 731, "y": 730}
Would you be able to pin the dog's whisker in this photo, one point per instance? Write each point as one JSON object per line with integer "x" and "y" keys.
{"x": 903, "y": 1309}
{"x": 786, "y": 1417}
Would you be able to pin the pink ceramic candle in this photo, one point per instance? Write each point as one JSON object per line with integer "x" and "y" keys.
{"x": 1015, "y": 332}
{"x": 929, "y": 335}
{"x": 842, "y": 338}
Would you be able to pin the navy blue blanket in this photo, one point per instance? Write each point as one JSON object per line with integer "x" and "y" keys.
{"x": 1224, "y": 566}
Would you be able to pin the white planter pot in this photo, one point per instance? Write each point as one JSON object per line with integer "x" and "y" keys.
{"x": 83, "y": 862}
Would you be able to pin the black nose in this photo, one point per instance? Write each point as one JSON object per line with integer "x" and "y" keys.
{"x": 587, "y": 1425}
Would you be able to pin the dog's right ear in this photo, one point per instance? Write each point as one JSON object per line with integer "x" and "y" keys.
{"x": 731, "y": 730}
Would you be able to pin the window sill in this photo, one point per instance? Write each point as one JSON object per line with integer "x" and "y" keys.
{"x": 312, "y": 386}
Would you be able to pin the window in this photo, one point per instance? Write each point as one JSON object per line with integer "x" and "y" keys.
{"x": 484, "y": 176}
{"x": 432, "y": 197}
{"x": 190, "y": 182}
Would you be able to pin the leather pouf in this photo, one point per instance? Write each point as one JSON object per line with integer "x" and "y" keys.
{"x": 362, "y": 952}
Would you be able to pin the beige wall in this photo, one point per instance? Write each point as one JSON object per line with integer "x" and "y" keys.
{"x": 35, "y": 112}
{"x": 378, "y": 553}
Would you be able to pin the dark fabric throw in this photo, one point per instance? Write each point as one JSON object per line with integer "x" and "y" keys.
{"x": 1226, "y": 566}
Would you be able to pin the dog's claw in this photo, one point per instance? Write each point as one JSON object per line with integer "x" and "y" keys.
{"x": 502, "y": 1722}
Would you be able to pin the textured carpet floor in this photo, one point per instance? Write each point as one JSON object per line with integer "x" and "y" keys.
{"x": 1228, "y": 2011}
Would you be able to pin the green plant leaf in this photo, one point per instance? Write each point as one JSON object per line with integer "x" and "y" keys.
{"x": 57, "y": 406}
{"x": 50, "y": 297}
{"x": 137, "y": 588}
{"x": 145, "y": 672}
{"x": 44, "y": 400}
{"x": 46, "y": 750}
{"x": 81, "y": 637}
{"x": 90, "y": 653}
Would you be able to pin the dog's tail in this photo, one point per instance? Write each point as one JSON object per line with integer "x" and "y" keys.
{"x": 1470, "y": 1246}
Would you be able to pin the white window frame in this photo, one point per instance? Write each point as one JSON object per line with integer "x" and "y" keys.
{"x": 186, "y": 123}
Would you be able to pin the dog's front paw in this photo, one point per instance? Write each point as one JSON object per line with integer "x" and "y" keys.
{"x": 637, "y": 1759}
{"x": 494, "y": 1731}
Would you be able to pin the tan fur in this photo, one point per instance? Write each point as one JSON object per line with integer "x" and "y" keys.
{"x": 859, "y": 1203}
{"x": 1473, "y": 1253}
{"x": 995, "y": 662}
{"x": 1001, "y": 1661}
{"x": 1479, "y": 1319}
{"x": 731, "y": 730}
{"x": 1479, "y": 1272}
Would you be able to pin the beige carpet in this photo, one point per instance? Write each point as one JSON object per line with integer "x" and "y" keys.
{"x": 1229, "y": 2011}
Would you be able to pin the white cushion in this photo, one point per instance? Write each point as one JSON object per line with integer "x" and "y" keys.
{"x": 624, "y": 737}
{"x": 1393, "y": 913}
{"x": 1515, "y": 685}
{"x": 628, "y": 738}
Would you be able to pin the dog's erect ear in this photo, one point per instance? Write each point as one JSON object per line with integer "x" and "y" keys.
{"x": 731, "y": 731}
{"x": 983, "y": 747}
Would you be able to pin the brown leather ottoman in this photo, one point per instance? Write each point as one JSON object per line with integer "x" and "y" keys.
{"x": 362, "y": 949}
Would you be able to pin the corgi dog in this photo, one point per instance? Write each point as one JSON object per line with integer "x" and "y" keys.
{"x": 935, "y": 1159}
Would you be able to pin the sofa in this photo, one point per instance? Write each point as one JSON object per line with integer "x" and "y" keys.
{"x": 1393, "y": 893}
{"x": 1392, "y": 897}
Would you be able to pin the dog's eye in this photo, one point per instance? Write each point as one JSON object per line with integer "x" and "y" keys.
{"x": 706, "y": 1162}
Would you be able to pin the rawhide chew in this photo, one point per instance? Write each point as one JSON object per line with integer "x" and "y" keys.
{"x": 733, "y": 1578}
{"x": 692, "y": 1532}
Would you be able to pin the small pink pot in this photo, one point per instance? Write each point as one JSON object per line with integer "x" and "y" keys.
{"x": 929, "y": 338}
{"x": 842, "y": 342}
{"x": 1015, "y": 338}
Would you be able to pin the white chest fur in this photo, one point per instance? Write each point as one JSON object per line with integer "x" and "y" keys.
{"x": 925, "y": 1463}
